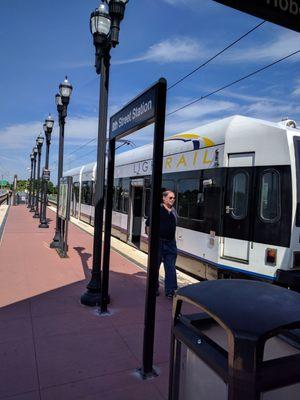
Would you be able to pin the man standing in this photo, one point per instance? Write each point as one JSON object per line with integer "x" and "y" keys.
{"x": 167, "y": 242}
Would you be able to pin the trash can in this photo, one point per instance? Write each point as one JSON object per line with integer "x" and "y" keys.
{"x": 225, "y": 342}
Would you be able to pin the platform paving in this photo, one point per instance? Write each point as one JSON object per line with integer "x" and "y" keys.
{"x": 52, "y": 347}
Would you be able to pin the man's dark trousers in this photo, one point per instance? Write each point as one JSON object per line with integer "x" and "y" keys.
{"x": 168, "y": 255}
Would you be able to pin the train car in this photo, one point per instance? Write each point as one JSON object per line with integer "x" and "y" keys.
{"x": 237, "y": 186}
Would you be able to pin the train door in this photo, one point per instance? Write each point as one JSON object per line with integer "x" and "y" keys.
{"x": 237, "y": 208}
{"x": 136, "y": 212}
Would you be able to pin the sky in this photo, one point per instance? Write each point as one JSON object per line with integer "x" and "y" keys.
{"x": 42, "y": 41}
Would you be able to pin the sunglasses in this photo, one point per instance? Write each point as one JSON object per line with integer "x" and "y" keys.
{"x": 172, "y": 198}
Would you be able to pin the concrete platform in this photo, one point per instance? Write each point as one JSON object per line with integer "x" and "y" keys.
{"x": 52, "y": 347}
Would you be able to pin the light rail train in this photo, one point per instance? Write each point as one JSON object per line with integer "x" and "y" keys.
{"x": 237, "y": 186}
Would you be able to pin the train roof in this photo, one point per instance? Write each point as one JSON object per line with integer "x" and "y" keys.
{"x": 211, "y": 134}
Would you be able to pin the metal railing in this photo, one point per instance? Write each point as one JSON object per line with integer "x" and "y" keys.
{"x": 4, "y": 197}
{"x": 52, "y": 198}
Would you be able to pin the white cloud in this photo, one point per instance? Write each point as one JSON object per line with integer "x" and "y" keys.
{"x": 200, "y": 109}
{"x": 180, "y": 2}
{"x": 296, "y": 89}
{"x": 22, "y": 136}
{"x": 19, "y": 136}
{"x": 173, "y": 2}
{"x": 208, "y": 110}
{"x": 248, "y": 97}
{"x": 186, "y": 49}
{"x": 272, "y": 111}
{"x": 179, "y": 49}
{"x": 296, "y": 92}
{"x": 81, "y": 128}
{"x": 17, "y": 141}
{"x": 282, "y": 45}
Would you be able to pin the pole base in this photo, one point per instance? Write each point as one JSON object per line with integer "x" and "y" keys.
{"x": 55, "y": 244}
{"x": 91, "y": 299}
{"x": 62, "y": 253}
{"x": 56, "y": 241}
{"x": 44, "y": 225}
{"x": 147, "y": 375}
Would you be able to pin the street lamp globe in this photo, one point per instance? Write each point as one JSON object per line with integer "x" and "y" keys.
{"x": 100, "y": 23}
{"x": 40, "y": 140}
{"x": 35, "y": 151}
{"x": 49, "y": 122}
{"x": 65, "y": 90}
{"x": 32, "y": 155}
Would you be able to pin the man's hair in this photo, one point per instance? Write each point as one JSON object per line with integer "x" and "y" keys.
{"x": 166, "y": 192}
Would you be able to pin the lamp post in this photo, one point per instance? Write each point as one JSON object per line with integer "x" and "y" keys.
{"x": 104, "y": 26}
{"x": 30, "y": 182}
{"x": 62, "y": 100}
{"x": 48, "y": 126}
{"x": 39, "y": 145}
{"x": 33, "y": 198}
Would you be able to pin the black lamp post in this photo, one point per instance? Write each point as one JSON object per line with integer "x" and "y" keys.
{"x": 39, "y": 145}
{"x": 62, "y": 101}
{"x": 30, "y": 182}
{"x": 48, "y": 126}
{"x": 33, "y": 198}
{"x": 104, "y": 26}
{"x": 116, "y": 12}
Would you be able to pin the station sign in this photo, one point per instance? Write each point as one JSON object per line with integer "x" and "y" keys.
{"x": 137, "y": 114}
{"x": 281, "y": 12}
{"x": 46, "y": 174}
{"x": 65, "y": 192}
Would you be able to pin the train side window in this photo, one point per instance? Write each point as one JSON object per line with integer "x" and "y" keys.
{"x": 297, "y": 155}
{"x": 121, "y": 195}
{"x": 93, "y": 193}
{"x": 270, "y": 196}
{"x": 119, "y": 198}
{"x": 76, "y": 191}
{"x": 125, "y": 195}
{"x": 167, "y": 185}
{"x": 190, "y": 199}
{"x": 239, "y": 199}
{"x": 86, "y": 192}
{"x": 117, "y": 195}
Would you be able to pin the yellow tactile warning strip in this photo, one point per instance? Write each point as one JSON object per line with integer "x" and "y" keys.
{"x": 133, "y": 254}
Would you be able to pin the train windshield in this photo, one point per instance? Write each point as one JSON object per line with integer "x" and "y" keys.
{"x": 297, "y": 156}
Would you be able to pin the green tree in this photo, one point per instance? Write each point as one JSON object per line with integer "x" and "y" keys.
{"x": 22, "y": 185}
{"x": 51, "y": 188}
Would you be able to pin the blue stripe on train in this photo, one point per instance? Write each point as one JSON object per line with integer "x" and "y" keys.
{"x": 221, "y": 266}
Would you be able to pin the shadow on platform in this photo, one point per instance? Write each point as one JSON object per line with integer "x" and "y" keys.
{"x": 53, "y": 347}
